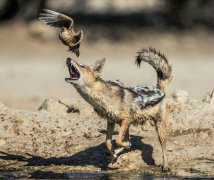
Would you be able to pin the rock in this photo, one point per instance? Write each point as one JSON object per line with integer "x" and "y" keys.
{"x": 52, "y": 131}
{"x": 57, "y": 106}
{"x": 129, "y": 161}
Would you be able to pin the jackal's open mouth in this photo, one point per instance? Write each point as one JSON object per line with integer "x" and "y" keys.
{"x": 73, "y": 71}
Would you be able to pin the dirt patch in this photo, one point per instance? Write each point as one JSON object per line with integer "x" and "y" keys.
{"x": 53, "y": 140}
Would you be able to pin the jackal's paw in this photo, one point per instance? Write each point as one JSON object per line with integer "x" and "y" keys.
{"x": 126, "y": 145}
{"x": 112, "y": 157}
{"x": 118, "y": 151}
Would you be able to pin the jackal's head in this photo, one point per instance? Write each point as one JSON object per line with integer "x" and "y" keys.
{"x": 82, "y": 74}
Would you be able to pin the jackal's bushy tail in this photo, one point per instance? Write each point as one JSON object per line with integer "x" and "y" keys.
{"x": 160, "y": 63}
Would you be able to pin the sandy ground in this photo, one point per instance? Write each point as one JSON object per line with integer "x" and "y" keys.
{"x": 32, "y": 70}
{"x": 54, "y": 143}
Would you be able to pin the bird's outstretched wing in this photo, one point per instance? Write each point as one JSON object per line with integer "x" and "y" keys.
{"x": 56, "y": 19}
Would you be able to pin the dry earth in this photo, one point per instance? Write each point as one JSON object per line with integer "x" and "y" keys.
{"x": 60, "y": 139}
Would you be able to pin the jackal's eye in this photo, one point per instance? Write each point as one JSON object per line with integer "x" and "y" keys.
{"x": 81, "y": 65}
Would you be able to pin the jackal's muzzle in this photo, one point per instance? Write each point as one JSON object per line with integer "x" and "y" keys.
{"x": 73, "y": 71}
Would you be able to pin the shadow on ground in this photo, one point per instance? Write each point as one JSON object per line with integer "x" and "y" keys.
{"x": 53, "y": 175}
{"x": 96, "y": 156}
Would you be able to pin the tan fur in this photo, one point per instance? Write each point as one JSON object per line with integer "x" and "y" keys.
{"x": 117, "y": 104}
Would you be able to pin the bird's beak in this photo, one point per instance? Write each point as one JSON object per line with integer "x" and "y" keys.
{"x": 77, "y": 52}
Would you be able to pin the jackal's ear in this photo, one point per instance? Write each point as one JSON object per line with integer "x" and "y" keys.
{"x": 99, "y": 64}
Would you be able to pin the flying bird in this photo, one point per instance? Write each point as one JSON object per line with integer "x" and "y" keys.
{"x": 67, "y": 34}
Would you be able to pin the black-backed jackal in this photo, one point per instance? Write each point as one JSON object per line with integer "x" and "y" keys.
{"x": 123, "y": 105}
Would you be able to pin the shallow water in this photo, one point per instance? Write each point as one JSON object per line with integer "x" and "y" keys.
{"x": 88, "y": 176}
{"x": 91, "y": 176}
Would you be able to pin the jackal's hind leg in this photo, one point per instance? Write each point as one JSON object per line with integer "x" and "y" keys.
{"x": 123, "y": 137}
{"x": 162, "y": 128}
{"x": 162, "y": 140}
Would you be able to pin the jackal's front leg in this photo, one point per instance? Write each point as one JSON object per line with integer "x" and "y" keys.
{"x": 123, "y": 136}
{"x": 109, "y": 134}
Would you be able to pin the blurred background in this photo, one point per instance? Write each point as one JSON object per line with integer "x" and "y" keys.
{"x": 32, "y": 59}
